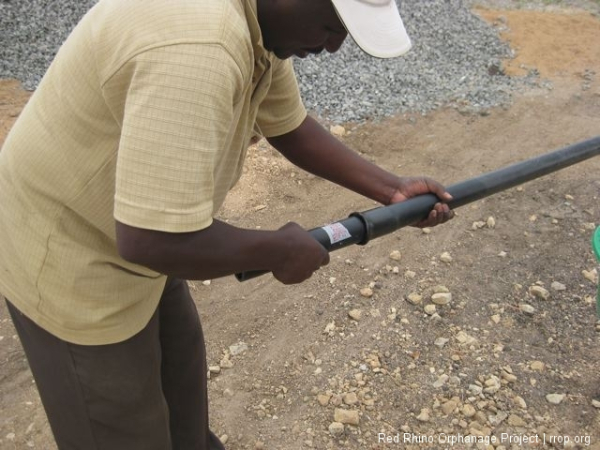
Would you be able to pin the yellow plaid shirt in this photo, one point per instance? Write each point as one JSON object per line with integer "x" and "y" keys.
{"x": 144, "y": 116}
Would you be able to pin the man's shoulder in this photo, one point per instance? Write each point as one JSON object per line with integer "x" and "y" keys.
{"x": 174, "y": 19}
{"x": 122, "y": 29}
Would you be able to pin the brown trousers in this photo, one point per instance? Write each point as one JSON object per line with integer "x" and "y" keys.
{"x": 146, "y": 393}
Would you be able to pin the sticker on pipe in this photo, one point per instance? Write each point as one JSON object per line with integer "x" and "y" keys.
{"x": 336, "y": 232}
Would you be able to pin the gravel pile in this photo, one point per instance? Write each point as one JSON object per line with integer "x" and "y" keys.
{"x": 455, "y": 61}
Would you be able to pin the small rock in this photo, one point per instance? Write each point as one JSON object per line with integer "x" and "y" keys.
{"x": 468, "y": 410}
{"x": 336, "y": 429}
{"x": 424, "y": 415}
{"x": 497, "y": 419}
{"x": 520, "y": 402}
{"x": 449, "y": 407}
{"x": 350, "y": 398}
{"x": 336, "y": 400}
{"x": 516, "y": 421}
{"x": 440, "y": 342}
{"x": 527, "y": 309}
{"x": 475, "y": 389}
{"x": 214, "y": 369}
{"x": 445, "y": 257}
{"x": 441, "y": 298}
{"x": 226, "y": 363}
{"x": 490, "y": 222}
{"x": 337, "y": 130}
{"x": 414, "y": 298}
{"x": 396, "y": 255}
{"x": 538, "y": 366}
{"x": 355, "y": 314}
{"x": 349, "y": 417}
{"x": 591, "y": 275}
{"x": 555, "y": 399}
{"x": 596, "y": 404}
{"x": 558, "y": 286}
{"x": 464, "y": 338}
{"x": 323, "y": 399}
{"x": 509, "y": 377}
{"x": 492, "y": 384}
{"x": 539, "y": 292}
{"x": 366, "y": 292}
{"x": 478, "y": 225}
{"x": 429, "y": 309}
{"x": 442, "y": 379}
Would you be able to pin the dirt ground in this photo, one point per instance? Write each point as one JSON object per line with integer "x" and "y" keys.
{"x": 510, "y": 361}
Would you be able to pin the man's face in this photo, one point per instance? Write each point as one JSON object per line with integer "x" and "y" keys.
{"x": 311, "y": 27}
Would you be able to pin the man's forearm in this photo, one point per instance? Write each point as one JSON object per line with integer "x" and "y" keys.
{"x": 315, "y": 150}
{"x": 221, "y": 249}
{"x": 217, "y": 251}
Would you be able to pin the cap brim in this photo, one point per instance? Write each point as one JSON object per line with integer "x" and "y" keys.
{"x": 377, "y": 29}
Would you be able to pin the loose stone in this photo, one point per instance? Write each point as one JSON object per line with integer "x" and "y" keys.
{"x": 323, "y": 399}
{"x": 366, "y": 292}
{"x": 449, "y": 407}
{"x": 350, "y": 398}
{"x": 336, "y": 429}
{"x": 441, "y": 298}
{"x": 527, "y": 309}
{"x": 539, "y": 292}
{"x": 429, "y": 309}
{"x": 445, "y": 257}
{"x": 349, "y": 417}
{"x": 355, "y": 314}
{"x": 555, "y": 399}
{"x": 396, "y": 255}
{"x": 424, "y": 415}
{"x": 337, "y": 130}
{"x": 468, "y": 410}
{"x": 414, "y": 298}
{"x": 440, "y": 342}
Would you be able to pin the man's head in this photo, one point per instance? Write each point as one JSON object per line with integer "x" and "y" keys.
{"x": 302, "y": 27}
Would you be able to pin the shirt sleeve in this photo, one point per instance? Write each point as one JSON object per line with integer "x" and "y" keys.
{"x": 178, "y": 110}
{"x": 282, "y": 110}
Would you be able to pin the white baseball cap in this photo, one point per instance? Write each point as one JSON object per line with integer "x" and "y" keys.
{"x": 375, "y": 25}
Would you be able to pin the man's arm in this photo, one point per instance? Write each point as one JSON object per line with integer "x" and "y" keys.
{"x": 315, "y": 150}
{"x": 221, "y": 249}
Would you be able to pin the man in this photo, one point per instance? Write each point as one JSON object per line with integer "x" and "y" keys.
{"x": 111, "y": 178}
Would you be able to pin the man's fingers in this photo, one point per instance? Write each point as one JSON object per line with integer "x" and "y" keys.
{"x": 440, "y": 213}
{"x": 438, "y": 189}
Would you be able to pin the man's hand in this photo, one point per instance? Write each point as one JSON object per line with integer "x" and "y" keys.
{"x": 303, "y": 255}
{"x": 411, "y": 187}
